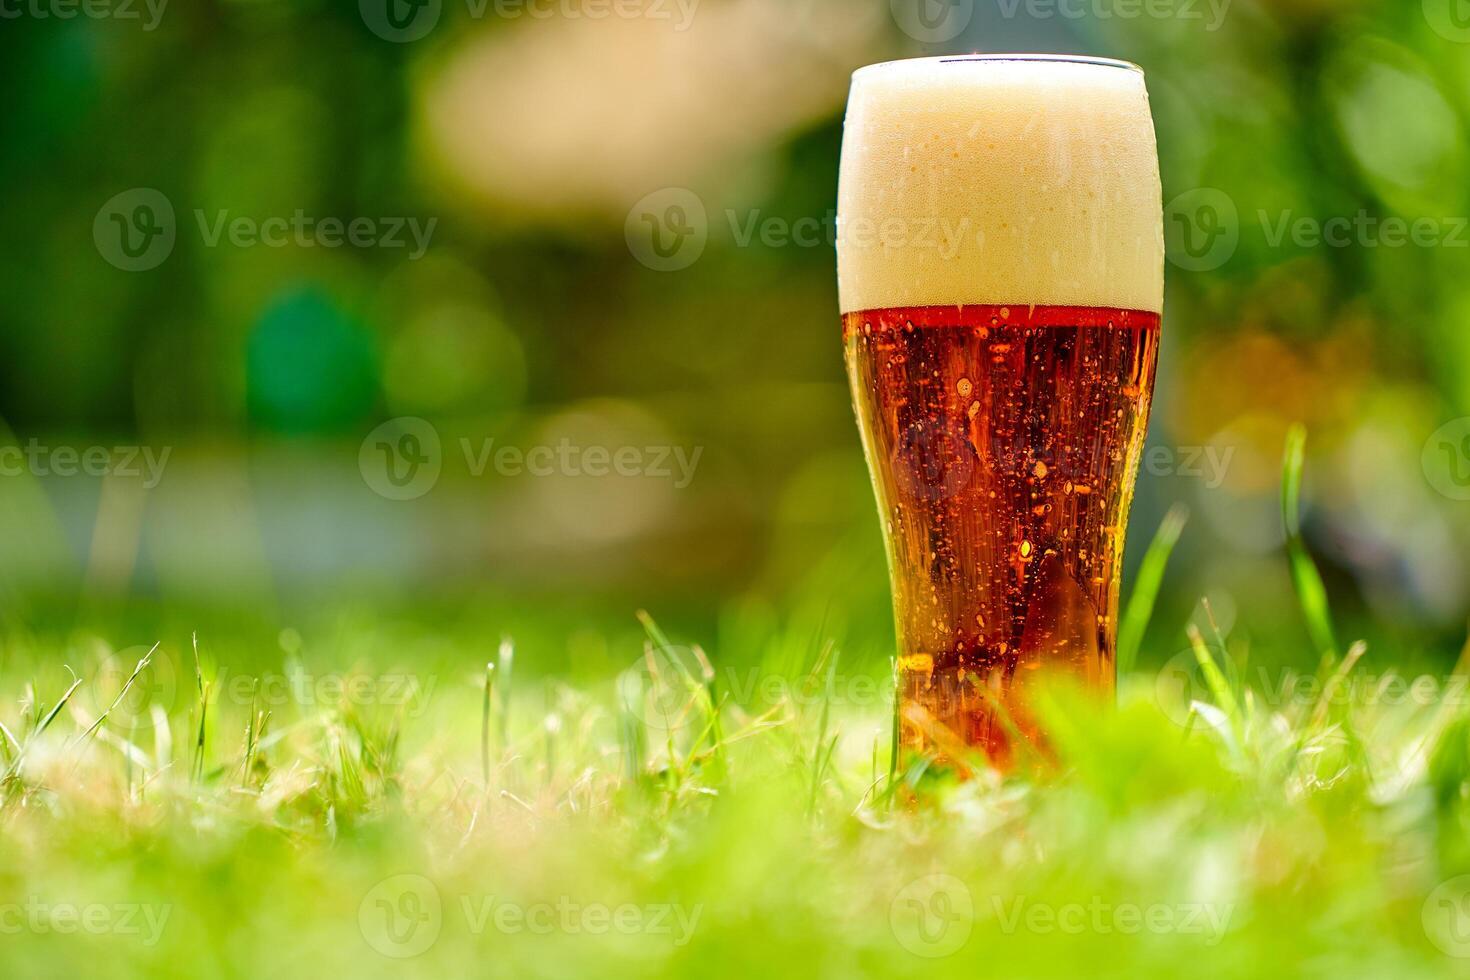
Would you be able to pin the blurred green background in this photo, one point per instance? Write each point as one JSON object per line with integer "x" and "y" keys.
{"x": 528, "y": 152}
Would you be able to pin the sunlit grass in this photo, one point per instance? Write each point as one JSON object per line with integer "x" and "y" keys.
{"x": 164, "y": 816}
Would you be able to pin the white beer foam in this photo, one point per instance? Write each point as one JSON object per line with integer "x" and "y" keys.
{"x": 1000, "y": 179}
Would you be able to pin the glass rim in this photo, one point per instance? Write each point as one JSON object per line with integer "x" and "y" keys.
{"x": 1069, "y": 59}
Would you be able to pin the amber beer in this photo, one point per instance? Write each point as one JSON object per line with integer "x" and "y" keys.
{"x": 1001, "y": 368}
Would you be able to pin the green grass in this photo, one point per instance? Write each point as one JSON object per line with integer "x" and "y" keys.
{"x": 166, "y": 813}
{"x": 1313, "y": 831}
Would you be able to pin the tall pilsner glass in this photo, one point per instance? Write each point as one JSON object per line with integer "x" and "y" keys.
{"x": 1001, "y": 274}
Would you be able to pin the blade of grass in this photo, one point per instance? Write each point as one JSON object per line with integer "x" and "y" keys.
{"x": 197, "y": 768}
{"x": 1146, "y": 589}
{"x": 505, "y": 662}
{"x": 1311, "y": 593}
{"x": 45, "y": 723}
{"x": 485, "y": 725}
{"x": 141, "y": 666}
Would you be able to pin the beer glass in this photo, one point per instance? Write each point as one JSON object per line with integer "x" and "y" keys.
{"x": 1000, "y": 263}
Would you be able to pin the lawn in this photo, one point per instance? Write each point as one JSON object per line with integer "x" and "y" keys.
{"x": 431, "y": 807}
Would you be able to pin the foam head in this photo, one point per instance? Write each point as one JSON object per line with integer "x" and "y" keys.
{"x": 1001, "y": 179}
